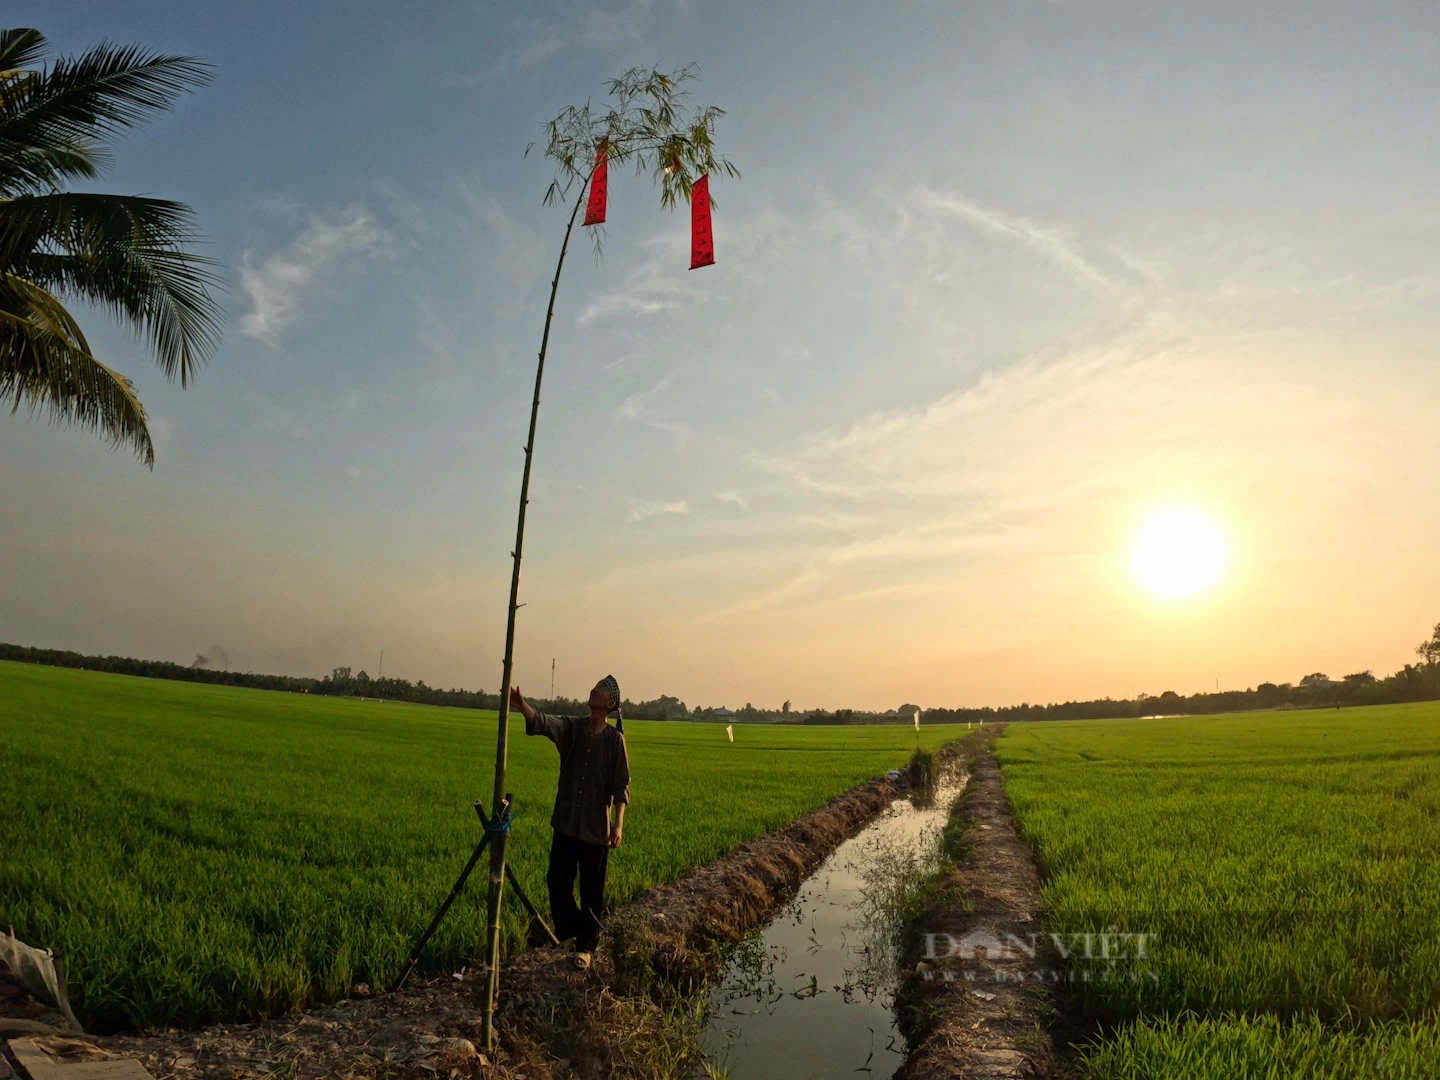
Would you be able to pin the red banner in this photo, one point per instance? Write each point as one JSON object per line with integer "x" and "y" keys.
{"x": 599, "y": 182}
{"x": 702, "y": 240}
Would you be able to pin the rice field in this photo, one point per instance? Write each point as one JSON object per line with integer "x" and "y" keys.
{"x": 1287, "y": 864}
{"x": 215, "y": 853}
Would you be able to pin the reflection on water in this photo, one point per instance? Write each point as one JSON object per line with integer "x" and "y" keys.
{"x": 811, "y": 995}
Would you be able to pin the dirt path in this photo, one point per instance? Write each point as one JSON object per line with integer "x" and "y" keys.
{"x": 625, "y": 1017}
{"x": 978, "y": 1003}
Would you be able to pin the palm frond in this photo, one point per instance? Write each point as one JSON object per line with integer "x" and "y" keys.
{"x": 29, "y": 168}
{"x": 19, "y": 48}
{"x": 77, "y": 102}
{"x": 125, "y": 253}
{"x": 46, "y": 363}
{"x": 41, "y": 169}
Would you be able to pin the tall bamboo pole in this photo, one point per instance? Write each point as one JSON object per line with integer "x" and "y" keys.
{"x": 498, "y": 845}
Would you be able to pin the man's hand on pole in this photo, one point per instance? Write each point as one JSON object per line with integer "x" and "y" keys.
{"x": 517, "y": 701}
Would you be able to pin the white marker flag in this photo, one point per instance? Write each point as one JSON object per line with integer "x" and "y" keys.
{"x": 730, "y": 731}
{"x": 917, "y": 719}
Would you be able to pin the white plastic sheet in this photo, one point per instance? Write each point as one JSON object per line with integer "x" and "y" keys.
{"x": 35, "y": 971}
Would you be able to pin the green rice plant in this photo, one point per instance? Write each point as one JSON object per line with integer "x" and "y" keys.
{"x": 208, "y": 853}
{"x": 1240, "y": 1047}
{"x": 1283, "y": 862}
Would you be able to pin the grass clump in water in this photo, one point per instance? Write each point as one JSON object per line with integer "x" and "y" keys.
{"x": 922, "y": 767}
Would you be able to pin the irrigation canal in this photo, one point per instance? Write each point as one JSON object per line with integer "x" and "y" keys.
{"x": 811, "y": 996}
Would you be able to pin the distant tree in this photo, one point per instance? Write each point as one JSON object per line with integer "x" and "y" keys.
{"x": 124, "y": 253}
{"x": 785, "y": 708}
{"x": 340, "y": 675}
{"x": 1315, "y": 678}
{"x": 1360, "y": 678}
{"x": 1429, "y": 651}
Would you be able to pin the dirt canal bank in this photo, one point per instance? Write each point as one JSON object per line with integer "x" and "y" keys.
{"x": 974, "y": 1006}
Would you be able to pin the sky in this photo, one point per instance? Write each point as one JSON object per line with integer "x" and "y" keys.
{"x": 999, "y": 282}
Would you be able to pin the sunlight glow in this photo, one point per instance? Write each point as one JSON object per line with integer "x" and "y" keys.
{"x": 1179, "y": 553}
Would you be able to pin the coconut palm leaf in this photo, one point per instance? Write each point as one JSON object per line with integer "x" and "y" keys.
{"x": 124, "y": 253}
{"x": 128, "y": 255}
{"x": 19, "y": 48}
{"x": 46, "y": 363}
{"x": 79, "y": 101}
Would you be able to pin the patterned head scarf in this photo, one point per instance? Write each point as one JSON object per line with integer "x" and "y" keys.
{"x": 613, "y": 688}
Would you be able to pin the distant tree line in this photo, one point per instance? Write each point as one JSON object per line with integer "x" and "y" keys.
{"x": 153, "y": 669}
{"x": 1414, "y": 682}
{"x": 342, "y": 682}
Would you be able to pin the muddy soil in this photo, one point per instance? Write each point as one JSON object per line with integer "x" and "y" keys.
{"x": 974, "y": 1003}
{"x": 629, "y": 1015}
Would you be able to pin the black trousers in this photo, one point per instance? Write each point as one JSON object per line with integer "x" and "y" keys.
{"x": 567, "y": 857}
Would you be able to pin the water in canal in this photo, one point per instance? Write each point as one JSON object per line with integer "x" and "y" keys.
{"x": 810, "y": 997}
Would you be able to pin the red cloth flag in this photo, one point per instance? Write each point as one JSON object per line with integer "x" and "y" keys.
{"x": 599, "y": 182}
{"x": 702, "y": 240}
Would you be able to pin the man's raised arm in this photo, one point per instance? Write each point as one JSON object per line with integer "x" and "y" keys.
{"x": 536, "y": 722}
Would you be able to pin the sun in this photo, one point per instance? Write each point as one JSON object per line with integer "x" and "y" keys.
{"x": 1179, "y": 553}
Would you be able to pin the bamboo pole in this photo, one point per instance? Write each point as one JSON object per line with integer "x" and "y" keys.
{"x": 499, "y": 843}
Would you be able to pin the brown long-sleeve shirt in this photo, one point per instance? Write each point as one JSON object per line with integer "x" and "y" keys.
{"x": 594, "y": 772}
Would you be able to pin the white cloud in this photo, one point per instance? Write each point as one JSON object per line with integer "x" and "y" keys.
{"x": 277, "y": 283}
{"x": 568, "y": 28}
{"x": 625, "y": 304}
{"x": 641, "y": 510}
{"x": 733, "y": 497}
{"x": 634, "y": 406}
{"x": 638, "y": 407}
{"x": 1046, "y": 242}
{"x": 1035, "y": 464}
{"x": 649, "y": 289}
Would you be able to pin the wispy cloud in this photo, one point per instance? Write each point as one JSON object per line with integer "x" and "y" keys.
{"x": 649, "y": 289}
{"x": 733, "y": 497}
{"x": 641, "y": 510}
{"x": 636, "y": 303}
{"x": 570, "y": 27}
{"x": 1045, "y": 241}
{"x": 635, "y": 406}
{"x": 639, "y": 408}
{"x": 1037, "y": 465}
{"x": 278, "y": 283}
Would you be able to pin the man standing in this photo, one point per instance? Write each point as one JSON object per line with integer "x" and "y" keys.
{"x": 594, "y": 772}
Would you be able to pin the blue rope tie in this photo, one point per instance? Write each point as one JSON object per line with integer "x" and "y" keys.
{"x": 500, "y": 824}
